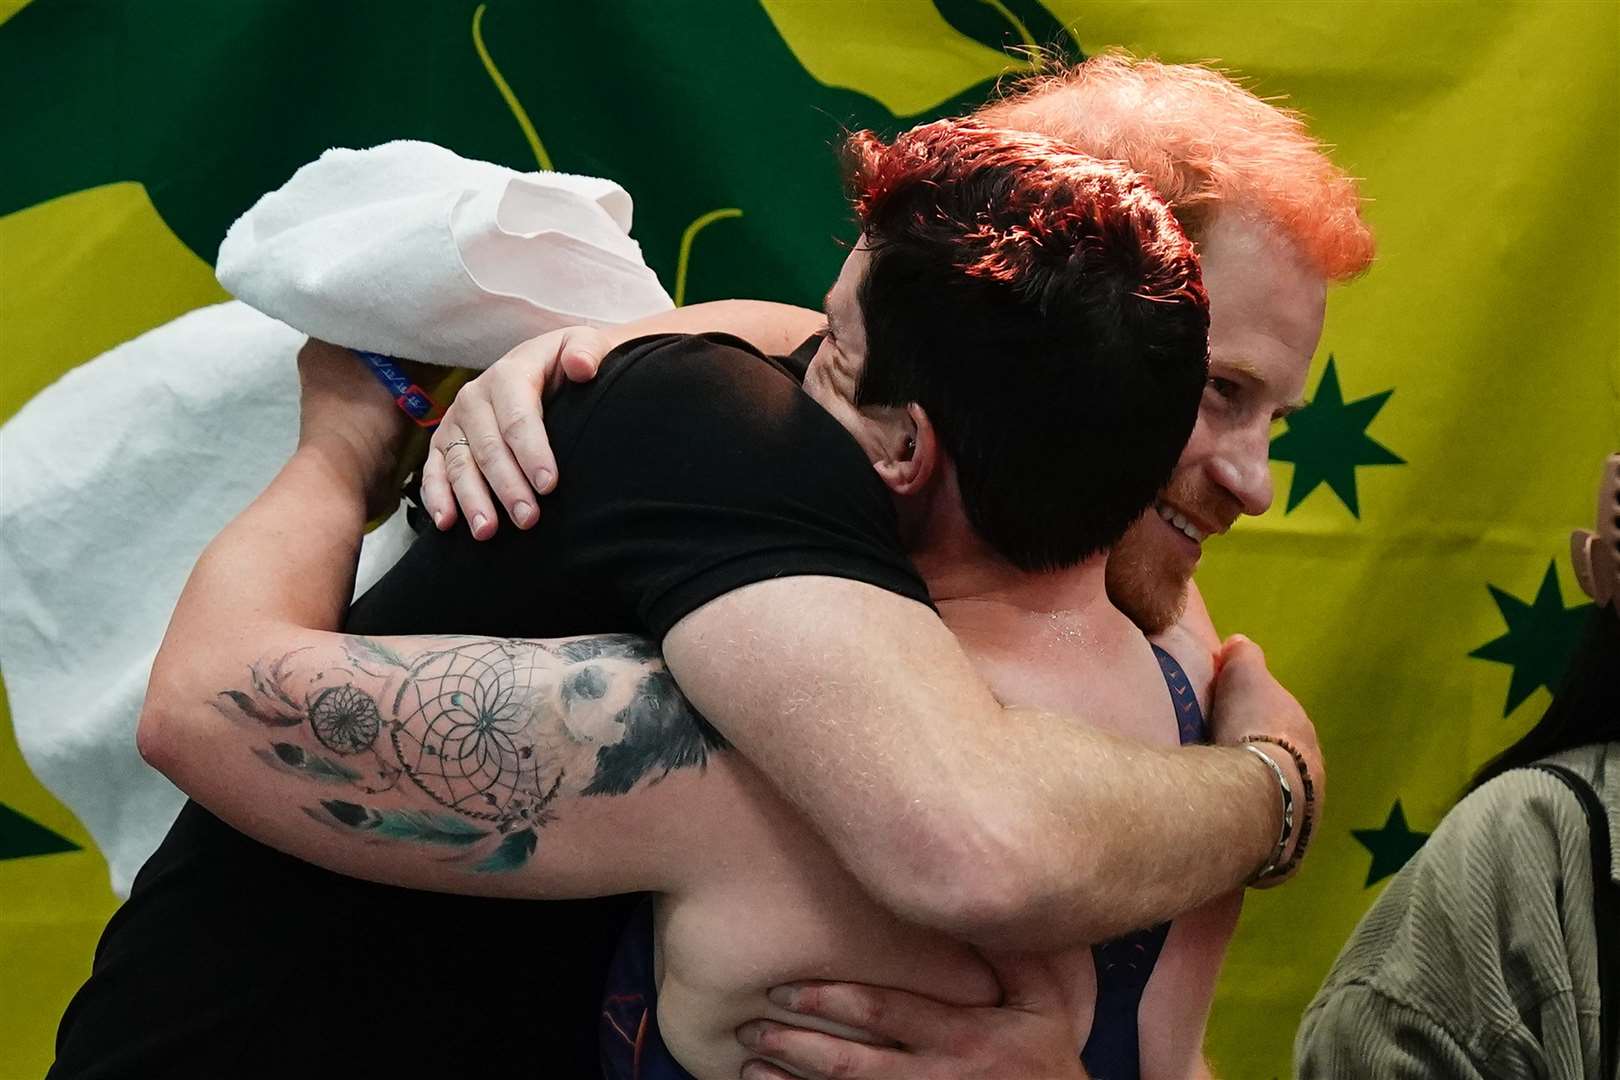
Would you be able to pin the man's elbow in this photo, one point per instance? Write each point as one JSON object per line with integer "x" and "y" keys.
{"x": 151, "y": 739}
{"x": 156, "y": 732}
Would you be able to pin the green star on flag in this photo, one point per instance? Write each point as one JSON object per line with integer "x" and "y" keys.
{"x": 21, "y": 837}
{"x": 1327, "y": 440}
{"x": 1391, "y": 846}
{"x": 1541, "y": 637}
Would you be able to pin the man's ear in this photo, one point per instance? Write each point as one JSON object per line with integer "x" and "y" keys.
{"x": 911, "y": 452}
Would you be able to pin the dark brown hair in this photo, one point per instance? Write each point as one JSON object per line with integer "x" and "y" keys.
{"x": 1046, "y": 311}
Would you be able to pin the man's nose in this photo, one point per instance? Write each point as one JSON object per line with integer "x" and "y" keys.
{"x": 1243, "y": 467}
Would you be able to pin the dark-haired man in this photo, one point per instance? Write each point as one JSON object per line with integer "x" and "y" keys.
{"x": 418, "y": 741}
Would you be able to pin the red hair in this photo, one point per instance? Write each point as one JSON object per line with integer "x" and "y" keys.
{"x": 1205, "y": 143}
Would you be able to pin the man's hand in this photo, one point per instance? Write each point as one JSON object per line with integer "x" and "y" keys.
{"x": 493, "y": 434}
{"x": 344, "y": 410}
{"x": 1032, "y": 1034}
{"x": 1248, "y": 700}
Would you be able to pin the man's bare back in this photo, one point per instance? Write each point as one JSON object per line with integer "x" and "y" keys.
{"x": 768, "y": 903}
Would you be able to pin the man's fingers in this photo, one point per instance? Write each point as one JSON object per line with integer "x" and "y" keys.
{"x": 892, "y": 1016}
{"x": 500, "y": 470}
{"x": 1240, "y": 663}
{"x": 581, "y": 363}
{"x": 1240, "y": 648}
{"x": 818, "y": 1055}
{"x": 581, "y": 352}
{"x": 515, "y": 406}
{"x": 437, "y": 499}
{"x": 493, "y": 439}
{"x": 467, "y": 484}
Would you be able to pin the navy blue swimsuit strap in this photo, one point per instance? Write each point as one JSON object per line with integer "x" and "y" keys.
{"x": 1189, "y": 716}
{"x": 1124, "y": 965}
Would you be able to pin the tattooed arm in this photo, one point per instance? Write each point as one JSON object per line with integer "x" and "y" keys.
{"x": 461, "y": 764}
{"x": 465, "y": 764}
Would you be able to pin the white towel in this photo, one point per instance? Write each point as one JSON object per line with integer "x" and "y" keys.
{"x": 409, "y": 250}
{"x": 405, "y": 249}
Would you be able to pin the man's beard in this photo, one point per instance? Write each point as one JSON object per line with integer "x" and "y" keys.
{"x": 1142, "y": 583}
{"x": 1148, "y": 570}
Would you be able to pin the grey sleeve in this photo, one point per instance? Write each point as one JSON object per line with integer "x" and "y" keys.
{"x": 1475, "y": 960}
{"x": 1358, "y": 1032}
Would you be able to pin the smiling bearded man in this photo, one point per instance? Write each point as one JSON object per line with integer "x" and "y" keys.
{"x": 1274, "y": 220}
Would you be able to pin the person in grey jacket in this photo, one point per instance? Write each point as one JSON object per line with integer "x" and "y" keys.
{"x": 1493, "y": 952}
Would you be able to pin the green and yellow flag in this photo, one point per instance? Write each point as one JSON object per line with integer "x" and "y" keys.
{"x": 1412, "y": 584}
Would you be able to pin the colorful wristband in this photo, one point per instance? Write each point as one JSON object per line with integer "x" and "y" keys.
{"x": 412, "y": 400}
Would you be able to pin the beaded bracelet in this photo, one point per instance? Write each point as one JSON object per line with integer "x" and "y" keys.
{"x": 1307, "y": 818}
{"x": 1285, "y": 833}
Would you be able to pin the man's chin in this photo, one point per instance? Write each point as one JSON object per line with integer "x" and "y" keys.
{"x": 1157, "y": 613}
{"x": 1146, "y": 589}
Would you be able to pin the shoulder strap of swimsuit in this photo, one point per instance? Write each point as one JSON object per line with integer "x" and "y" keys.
{"x": 1189, "y": 716}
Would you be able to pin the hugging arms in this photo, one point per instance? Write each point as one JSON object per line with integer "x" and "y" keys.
{"x": 944, "y": 803}
{"x": 1006, "y": 827}
{"x": 561, "y": 822}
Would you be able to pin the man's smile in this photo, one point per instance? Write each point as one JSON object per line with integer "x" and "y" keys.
{"x": 1192, "y": 526}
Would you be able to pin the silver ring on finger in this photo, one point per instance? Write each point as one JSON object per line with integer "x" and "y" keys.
{"x": 463, "y": 441}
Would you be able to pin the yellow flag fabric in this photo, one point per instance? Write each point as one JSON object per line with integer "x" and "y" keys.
{"x": 1412, "y": 585}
